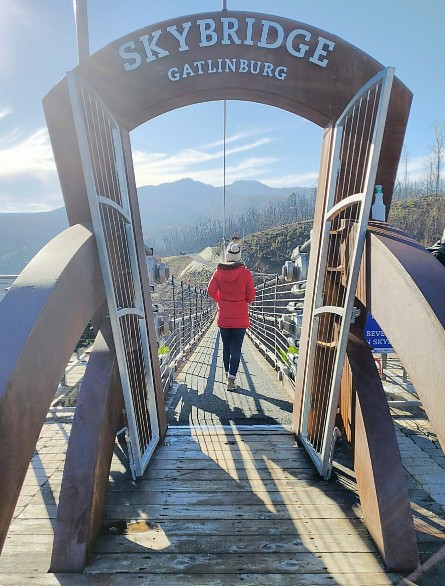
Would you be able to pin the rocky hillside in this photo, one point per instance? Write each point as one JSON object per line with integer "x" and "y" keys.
{"x": 195, "y": 269}
{"x": 263, "y": 252}
{"x": 266, "y": 251}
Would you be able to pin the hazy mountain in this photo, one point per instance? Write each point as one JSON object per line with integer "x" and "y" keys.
{"x": 181, "y": 203}
{"x": 23, "y": 235}
{"x": 187, "y": 202}
{"x": 247, "y": 188}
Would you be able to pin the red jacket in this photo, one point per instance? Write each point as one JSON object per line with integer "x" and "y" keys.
{"x": 231, "y": 286}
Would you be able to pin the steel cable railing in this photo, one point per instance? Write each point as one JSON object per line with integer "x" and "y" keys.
{"x": 183, "y": 313}
{"x": 275, "y": 322}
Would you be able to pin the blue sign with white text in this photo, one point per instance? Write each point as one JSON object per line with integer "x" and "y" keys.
{"x": 375, "y": 336}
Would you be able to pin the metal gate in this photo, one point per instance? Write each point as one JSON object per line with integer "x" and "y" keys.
{"x": 105, "y": 170}
{"x": 355, "y": 149}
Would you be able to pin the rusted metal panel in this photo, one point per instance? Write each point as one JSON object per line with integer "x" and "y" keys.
{"x": 380, "y": 475}
{"x": 405, "y": 295}
{"x": 346, "y": 404}
{"x": 62, "y": 133}
{"x": 317, "y": 86}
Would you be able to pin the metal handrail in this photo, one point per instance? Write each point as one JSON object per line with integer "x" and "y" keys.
{"x": 186, "y": 313}
{"x": 273, "y": 304}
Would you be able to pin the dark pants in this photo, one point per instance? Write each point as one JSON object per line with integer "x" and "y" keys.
{"x": 232, "y": 339}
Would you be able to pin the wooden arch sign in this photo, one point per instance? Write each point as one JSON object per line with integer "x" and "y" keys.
{"x": 222, "y": 55}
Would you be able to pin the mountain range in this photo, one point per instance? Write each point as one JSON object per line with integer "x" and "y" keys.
{"x": 181, "y": 203}
{"x": 186, "y": 202}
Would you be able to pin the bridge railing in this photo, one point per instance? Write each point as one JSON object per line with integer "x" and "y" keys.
{"x": 183, "y": 313}
{"x": 275, "y": 322}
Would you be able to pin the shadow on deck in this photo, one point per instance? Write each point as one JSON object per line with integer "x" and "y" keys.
{"x": 200, "y": 396}
{"x": 229, "y": 498}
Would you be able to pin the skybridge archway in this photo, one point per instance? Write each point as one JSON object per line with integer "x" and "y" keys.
{"x": 224, "y": 55}
{"x": 188, "y": 60}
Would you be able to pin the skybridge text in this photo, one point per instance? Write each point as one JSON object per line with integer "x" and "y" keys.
{"x": 268, "y": 34}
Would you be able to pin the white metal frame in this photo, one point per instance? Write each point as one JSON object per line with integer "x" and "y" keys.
{"x": 322, "y": 453}
{"x": 139, "y": 450}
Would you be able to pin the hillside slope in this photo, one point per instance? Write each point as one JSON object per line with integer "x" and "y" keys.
{"x": 423, "y": 218}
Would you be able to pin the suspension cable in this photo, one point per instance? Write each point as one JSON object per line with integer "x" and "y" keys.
{"x": 224, "y": 172}
{"x": 223, "y": 244}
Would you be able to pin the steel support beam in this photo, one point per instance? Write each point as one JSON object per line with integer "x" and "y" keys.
{"x": 85, "y": 478}
{"x": 42, "y": 316}
{"x": 378, "y": 466}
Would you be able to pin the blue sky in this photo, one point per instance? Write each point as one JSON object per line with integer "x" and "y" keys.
{"x": 38, "y": 46}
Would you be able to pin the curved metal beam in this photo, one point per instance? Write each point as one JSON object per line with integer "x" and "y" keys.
{"x": 378, "y": 466}
{"x": 85, "y": 477}
{"x": 406, "y": 297}
{"x": 403, "y": 288}
{"x": 61, "y": 286}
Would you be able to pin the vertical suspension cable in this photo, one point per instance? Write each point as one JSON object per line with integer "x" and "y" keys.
{"x": 224, "y": 176}
{"x": 223, "y": 243}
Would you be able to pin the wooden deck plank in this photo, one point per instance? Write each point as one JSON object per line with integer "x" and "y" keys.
{"x": 216, "y": 503}
{"x": 234, "y": 510}
{"x": 190, "y": 484}
{"x": 214, "y": 430}
{"x": 210, "y": 579}
{"x": 35, "y": 526}
{"x": 203, "y": 527}
{"x": 228, "y": 463}
{"x": 236, "y": 452}
{"x": 220, "y": 506}
{"x": 158, "y": 541}
{"x": 230, "y": 511}
{"x": 213, "y": 435}
{"x": 218, "y": 473}
{"x": 218, "y": 509}
{"x": 234, "y": 563}
{"x": 241, "y": 497}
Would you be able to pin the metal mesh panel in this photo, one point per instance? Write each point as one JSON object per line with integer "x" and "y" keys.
{"x": 105, "y": 171}
{"x": 357, "y": 139}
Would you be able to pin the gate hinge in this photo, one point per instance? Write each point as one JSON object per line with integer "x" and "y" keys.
{"x": 355, "y": 314}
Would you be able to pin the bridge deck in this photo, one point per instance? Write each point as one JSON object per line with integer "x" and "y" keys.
{"x": 229, "y": 498}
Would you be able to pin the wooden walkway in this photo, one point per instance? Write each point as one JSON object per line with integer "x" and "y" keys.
{"x": 220, "y": 505}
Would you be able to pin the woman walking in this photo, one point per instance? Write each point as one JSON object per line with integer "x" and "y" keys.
{"x": 231, "y": 286}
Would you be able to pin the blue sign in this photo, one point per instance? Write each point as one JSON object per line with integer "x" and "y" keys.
{"x": 375, "y": 337}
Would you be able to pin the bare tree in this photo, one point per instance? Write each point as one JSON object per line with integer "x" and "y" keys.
{"x": 405, "y": 180}
{"x": 435, "y": 158}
